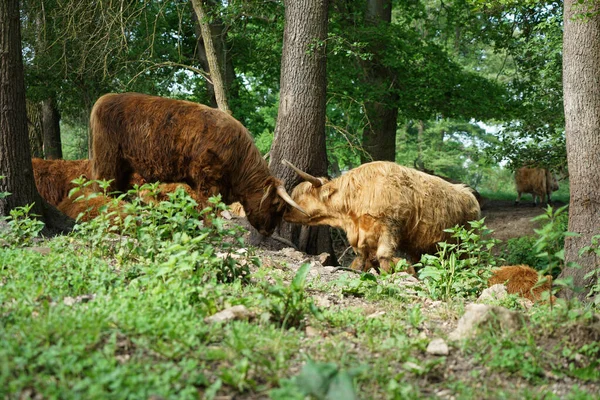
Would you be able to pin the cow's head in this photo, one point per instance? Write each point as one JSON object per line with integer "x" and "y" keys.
{"x": 264, "y": 212}
{"x": 310, "y": 196}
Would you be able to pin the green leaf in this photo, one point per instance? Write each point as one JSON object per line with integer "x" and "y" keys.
{"x": 300, "y": 277}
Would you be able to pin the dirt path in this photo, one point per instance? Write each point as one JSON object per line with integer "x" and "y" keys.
{"x": 510, "y": 221}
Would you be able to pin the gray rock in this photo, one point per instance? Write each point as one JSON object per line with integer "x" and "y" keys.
{"x": 229, "y": 314}
{"x": 477, "y": 315}
{"x": 493, "y": 293}
{"x": 437, "y": 347}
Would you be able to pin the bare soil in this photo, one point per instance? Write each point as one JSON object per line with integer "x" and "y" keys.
{"x": 508, "y": 220}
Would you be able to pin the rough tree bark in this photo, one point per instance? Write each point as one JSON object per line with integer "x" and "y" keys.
{"x": 216, "y": 73}
{"x": 34, "y": 126}
{"x": 15, "y": 157}
{"x": 379, "y": 136}
{"x": 219, "y": 35}
{"x": 581, "y": 86}
{"x": 51, "y": 129}
{"x": 300, "y": 128}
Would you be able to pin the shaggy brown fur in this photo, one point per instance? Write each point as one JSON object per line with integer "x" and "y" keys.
{"x": 384, "y": 207}
{"x": 539, "y": 182}
{"x": 88, "y": 207}
{"x": 522, "y": 280}
{"x": 179, "y": 141}
{"x": 53, "y": 177}
{"x": 477, "y": 195}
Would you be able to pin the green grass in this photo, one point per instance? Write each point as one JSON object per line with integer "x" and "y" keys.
{"x": 508, "y": 193}
{"x": 102, "y": 318}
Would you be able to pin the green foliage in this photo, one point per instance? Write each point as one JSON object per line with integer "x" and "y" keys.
{"x": 288, "y": 306}
{"x": 23, "y": 227}
{"x": 319, "y": 381}
{"x": 179, "y": 240}
{"x": 550, "y": 243}
{"x": 461, "y": 267}
{"x": 594, "y": 274}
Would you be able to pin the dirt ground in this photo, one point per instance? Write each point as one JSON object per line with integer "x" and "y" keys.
{"x": 509, "y": 221}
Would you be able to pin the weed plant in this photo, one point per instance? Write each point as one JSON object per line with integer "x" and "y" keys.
{"x": 462, "y": 266}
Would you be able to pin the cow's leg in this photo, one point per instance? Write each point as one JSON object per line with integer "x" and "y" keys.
{"x": 385, "y": 250}
{"x": 518, "y": 200}
{"x": 106, "y": 162}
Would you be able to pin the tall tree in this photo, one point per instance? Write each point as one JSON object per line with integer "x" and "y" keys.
{"x": 51, "y": 129}
{"x": 15, "y": 156}
{"x": 300, "y": 130}
{"x": 581, "y": 85}
{"x": 379, "y": 135}
{"x": 215, "y": 67}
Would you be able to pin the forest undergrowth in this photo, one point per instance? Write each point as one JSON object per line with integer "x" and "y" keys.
{"x": 124, "y": 307}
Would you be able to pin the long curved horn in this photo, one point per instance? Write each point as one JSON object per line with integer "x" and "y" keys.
{"x": 316, "y": 182}
{"x": 286, "y": 197}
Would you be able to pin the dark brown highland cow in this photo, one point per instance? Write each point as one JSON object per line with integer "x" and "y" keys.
{"x": 53, "y": 177}
{"x": 179, "y": 141}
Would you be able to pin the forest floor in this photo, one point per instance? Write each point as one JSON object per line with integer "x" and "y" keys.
{"x": 82, "y": 319}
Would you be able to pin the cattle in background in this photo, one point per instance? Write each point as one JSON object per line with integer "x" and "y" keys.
{"x": 384, "y": 207}
{"x": 522, "y": 280}
{"x": 179, "y": 141}
{"x": 539, "y": 182}
{"x": 53, "y": 177}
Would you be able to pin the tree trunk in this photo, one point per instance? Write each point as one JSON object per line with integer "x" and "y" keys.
{"x": 300, "y": 129}
{"x": 379, "y": 136}
{"x": 34, "y": 127}
{"x": 51, "y": 130}
{"x": 15, "y": 157}
{"x": 581, "y": 86}
{"x": 219, "y": 35}
{"x": 216, "y": 72}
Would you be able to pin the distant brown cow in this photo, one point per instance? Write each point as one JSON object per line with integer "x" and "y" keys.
{"x": 384, "y": 207}
{"x": 539, "y": 182}
{"x": 179, "y": 141}
{"x": 522, "y": 280}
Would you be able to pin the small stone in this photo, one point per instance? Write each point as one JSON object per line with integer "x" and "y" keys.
{"x": 311, "y": 332}
{"x": 376, "y": 314}
{"x": 329, "y": 269}
{"x": 69, "y": 301}
{"x": 477, "y": 315}
{"x": 226, "y": 214}
{"x": 437, "y": 347}
{"x": 292, "y": 253}
{"x": 322, "y": 301}
{"x": 493, "y": 293}
{"x": 229, "y": 314}
{"x": 324, "y": 258}
{"x": 42, "y": 250}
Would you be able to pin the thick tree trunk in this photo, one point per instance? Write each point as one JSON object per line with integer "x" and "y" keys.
{"x": 300, "y": 129}
{"x": 216, "y": 72}
{"x": 379, "y": 136}
{"x": 15, "y": 157}
{"x": 51, "y": 130}
{"x": 581, "y": 85}
{"x": 219, "y": 34}
{"x": 34, "y": 127}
